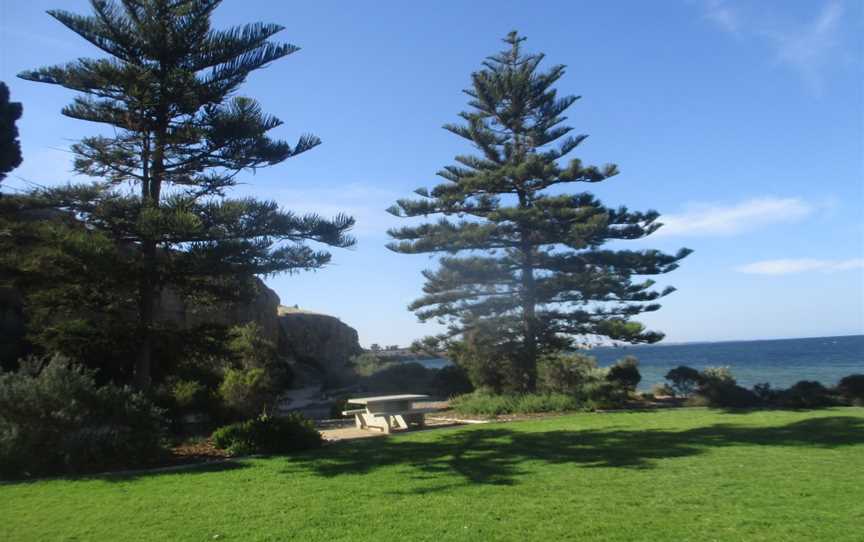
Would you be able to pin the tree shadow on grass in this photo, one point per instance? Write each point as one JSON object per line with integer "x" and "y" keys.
{"x": 499, "y": 456}
{"x": 132, "y": 475}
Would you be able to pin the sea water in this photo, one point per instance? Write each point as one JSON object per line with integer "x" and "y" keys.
{"x": 780, "y": 362}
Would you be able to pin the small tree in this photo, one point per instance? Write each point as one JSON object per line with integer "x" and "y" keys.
{"x": 180, "y": 136}
{"x": 530, "y": 258}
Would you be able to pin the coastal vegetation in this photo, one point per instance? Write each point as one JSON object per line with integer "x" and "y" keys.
{"x": 99, "y": 373}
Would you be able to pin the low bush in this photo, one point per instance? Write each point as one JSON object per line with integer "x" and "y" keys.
{"x": 547, "y": 402}
{"x": 606, "y": 394}
{"x": 851, "y": 388}
{"x": 190, "y": 396}
{"x": 452, "y": 380}
{"x": 55, "y": 419}
{"x": 625, "y": 373}
{"x": 268, "y": 435}
{"x": 724, "y": 394}
{"x": 716, "y": 375}
{"x": 765, "y": 393}
{"x": 485, "y": 404}
{"x": 570, "y": 374}
{"x": 805, "y": 394}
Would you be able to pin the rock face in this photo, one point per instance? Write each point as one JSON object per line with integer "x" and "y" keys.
{"x": 261, "y": 309}
{"x": 317, "y": 339}
{"x": 322, "y": 344}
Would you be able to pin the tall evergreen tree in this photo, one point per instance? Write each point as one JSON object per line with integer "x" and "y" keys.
{"x": 530, "y": 261}
{"x": 10, "y": 148}
{"x": 180, "y": 135}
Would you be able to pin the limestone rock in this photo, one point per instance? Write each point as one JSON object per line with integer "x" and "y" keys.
{"x": 317, "y": 339}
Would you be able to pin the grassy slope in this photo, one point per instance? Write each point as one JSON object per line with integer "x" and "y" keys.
{"x": 687, "y": 474}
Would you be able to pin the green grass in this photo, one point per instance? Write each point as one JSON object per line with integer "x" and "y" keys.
{"x": 686, "y": 474}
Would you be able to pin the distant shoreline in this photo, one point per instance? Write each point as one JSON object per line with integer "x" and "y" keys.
{"x": 723, "y": 341}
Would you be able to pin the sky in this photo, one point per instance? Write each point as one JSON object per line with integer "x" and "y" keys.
{"x": 741, "y": 122}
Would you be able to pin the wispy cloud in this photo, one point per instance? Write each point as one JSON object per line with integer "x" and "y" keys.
{"x": 806, "y": 47}
{"x": 365, "y": 202}
{"x": 720, "y": 13}
{"x": 720, "y": 220}
{"x": 787, "y": 266}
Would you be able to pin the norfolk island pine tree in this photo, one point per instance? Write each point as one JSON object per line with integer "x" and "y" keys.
{"x": 518, "y": 260}
{"x": 180, "y": 137}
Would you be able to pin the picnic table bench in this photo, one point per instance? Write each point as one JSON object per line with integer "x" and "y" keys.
{"x": 388, "y": 412}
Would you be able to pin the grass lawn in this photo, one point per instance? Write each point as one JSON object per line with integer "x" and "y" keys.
{"x": 685, "y": 474}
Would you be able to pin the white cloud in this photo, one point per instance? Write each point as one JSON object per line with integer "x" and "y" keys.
{"x": 787, "y": 266}
{"x": 806, "y": 47}
{"x": 721, "y": 14}
{"x": 809, "y": 49}
{"x": 714, "y": 220}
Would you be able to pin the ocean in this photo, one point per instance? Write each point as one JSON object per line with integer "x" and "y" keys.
{"x": 780, "y": 362}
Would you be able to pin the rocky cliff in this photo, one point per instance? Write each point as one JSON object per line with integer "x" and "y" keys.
{"x": 317, "y": 339}
{"x": 321, "y": 342}
{"x": 261, "y": 309}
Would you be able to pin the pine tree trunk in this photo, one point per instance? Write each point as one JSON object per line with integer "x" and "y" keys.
{"x": 529, "y": 362}
{"x": 148, "y": 288}
{"x": 146, "y": 299}
{"x": 529, "y": 303}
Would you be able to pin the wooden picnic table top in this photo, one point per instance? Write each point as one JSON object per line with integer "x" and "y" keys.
{"x": 387, "y": 399}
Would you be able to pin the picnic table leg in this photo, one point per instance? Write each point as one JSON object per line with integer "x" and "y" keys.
{"x": 399, "y": 421}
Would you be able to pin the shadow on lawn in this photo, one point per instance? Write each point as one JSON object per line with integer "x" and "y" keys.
{"x": 496, "y": 455}
{"x": 131, "y": 475}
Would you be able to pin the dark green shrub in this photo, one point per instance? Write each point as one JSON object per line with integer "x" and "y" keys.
{"x": 851, "y": 388}
{"x": 247, "y": 392}
{"x": 718, "y": 388}
{"x": 268, "y": 435}
{"x": 806, "y": 394}
{"x": 606, "y": 394}
{"x": 765, "y": 393}
{"x": 452, "y": 380}
{"x": 725, "y": 394}
{"x": 684, "y": 380}
{"x": 625, "y": 373}
{"x": 55, "y": 419}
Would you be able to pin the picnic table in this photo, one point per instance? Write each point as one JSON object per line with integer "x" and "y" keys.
{"x": 388, "y": 412}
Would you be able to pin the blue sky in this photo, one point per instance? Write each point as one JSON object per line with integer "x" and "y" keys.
{"x": 741, "y": 122}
